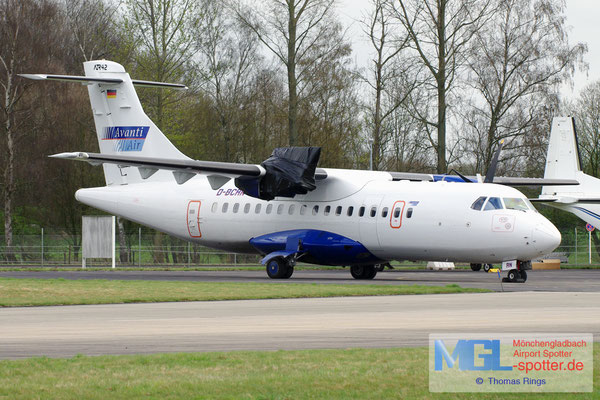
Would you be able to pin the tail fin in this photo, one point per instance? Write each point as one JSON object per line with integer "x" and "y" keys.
{"x": 563, "y": 162}
{"x": 121, "y": 124}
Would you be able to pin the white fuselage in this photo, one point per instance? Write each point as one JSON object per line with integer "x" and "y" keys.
{"x": 400, "y": 220}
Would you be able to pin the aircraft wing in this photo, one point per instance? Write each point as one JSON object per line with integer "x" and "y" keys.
{"x": 516, "y": 181}
{"x": 247, "y": 176}
{"x": 565, "y": 200}
{"x": 501, "y": 180}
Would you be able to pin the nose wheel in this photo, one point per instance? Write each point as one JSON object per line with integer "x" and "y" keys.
{"x": 519, "y": 274}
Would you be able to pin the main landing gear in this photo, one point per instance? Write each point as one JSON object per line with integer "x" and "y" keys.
{"x": 363, "y": 271}
{"x": 279, "y": 268}
{"x": 477, "y": 267}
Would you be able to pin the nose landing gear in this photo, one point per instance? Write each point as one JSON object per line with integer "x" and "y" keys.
{"x": 519, "y": 274}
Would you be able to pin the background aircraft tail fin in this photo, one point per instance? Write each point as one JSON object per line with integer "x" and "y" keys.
{"x": 563, "y": 162}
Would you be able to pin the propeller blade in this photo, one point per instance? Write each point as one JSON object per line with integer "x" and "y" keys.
{"x": 464, "y": 178}
{"x": 489, "y": 176}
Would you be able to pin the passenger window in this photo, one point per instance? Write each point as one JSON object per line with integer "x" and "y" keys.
{"x": 409, "y": 212}
{"x": 315, "y": 210}
{"x": 236, "y": 207}
{"x": 303, "y": 208}
{"x": 225, "y": 206}
{"x": 247, "y": 208}
{"x": 338, "y": 210}
{"x": 257, "y": 209}
{"x": 361, "y": 211}
{"x": 384, "y": 212}
{"x": 327, "y": 210}
{"x": 214, "y": 207}
{"x": 514, "y": 203}
{"x": 350, "y": 211}
{"x": 397, "y": 211}
{"x": 373, "y": 211}
{"x": 291, "y": 209}
{"x": 477, "y": 204}
{"x": 280, "y": 209}
{"x": 269, "y": 208}
{"x": 493, "y": 203}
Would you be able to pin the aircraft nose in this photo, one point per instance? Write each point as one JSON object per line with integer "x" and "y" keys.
{"x": 546, "y": 237}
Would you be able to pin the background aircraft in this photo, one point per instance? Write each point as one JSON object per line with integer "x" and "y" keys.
{"x": 563, "y": 162}
{"x": 287, "y": 209}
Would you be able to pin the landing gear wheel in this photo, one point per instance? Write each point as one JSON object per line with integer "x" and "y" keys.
{"x": 476, "y": 267}
{"x": 363, "y": 271}
{"x": 487, "y": 267}
{"x": 513, "y": 275}
{"x": 523, "y": 275}
{"x": 277, "y": 268}
{"x": 290, "y": 271}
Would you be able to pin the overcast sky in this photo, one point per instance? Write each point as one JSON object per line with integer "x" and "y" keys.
{"x": 583, "y": 20}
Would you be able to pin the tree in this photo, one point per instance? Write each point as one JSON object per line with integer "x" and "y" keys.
{"x": 386, "y": 70}
{"x": 230, "y": 60}
{"x": 163, "y": 30}
{"x": 96, "y": 32}
{"x": 300, "y": 33}
{"x": 516, "y": 64}
{"x": 30, "y": 33}
{"x": 438, "y": 32}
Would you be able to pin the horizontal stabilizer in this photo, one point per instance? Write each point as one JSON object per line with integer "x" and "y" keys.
{"x": 109, "y": 81}
{"x": 72, "y": 78}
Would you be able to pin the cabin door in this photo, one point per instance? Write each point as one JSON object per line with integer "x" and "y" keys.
{"x": 193, "y": 218}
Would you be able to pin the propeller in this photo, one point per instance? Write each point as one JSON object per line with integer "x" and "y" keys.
{"x": 464, "y": 178}
{"x": 489, "y": 176}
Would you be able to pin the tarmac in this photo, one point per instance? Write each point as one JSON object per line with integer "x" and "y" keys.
{"x": 344, "y": 322}
{"x": 563, "y": 301}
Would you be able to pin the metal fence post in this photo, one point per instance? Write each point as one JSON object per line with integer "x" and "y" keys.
{"x": 42, "y": 247}
{"x": 575, "y": 246}
{"x": 590, "y": 246}
{"x": 139, "y": 247}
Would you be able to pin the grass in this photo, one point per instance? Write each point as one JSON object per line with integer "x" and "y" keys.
{"x": 400, "y": 373}
{"x": 45, "y": 292}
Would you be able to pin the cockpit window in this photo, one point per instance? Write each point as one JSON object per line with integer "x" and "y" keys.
{"x": 531, "y": 206}
{"x": 514, "y": 203}
{"x": 477, "y": 204}
{"x": 493, "y": 203}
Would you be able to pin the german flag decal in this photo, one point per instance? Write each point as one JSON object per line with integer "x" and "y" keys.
{"x": 111, "y": 94}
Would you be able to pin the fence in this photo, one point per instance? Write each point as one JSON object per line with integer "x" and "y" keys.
{"x": 143, "y": 250}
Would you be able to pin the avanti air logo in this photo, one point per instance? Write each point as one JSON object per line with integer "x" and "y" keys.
{"x": 126, "y": 138}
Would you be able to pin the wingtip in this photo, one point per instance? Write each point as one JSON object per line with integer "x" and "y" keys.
{"x": 71, "y": 156}
{"x": 35, "y": 77}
